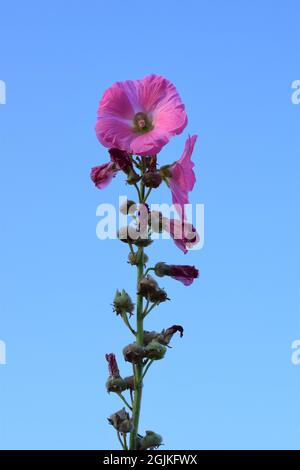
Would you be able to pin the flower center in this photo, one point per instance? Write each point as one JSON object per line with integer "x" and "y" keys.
{"x": 142, "y": 123}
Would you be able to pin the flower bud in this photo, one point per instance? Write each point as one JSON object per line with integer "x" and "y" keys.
{"x": 155, "y": 350}
{"x": 134, "y": 258}
{"x": 129, "y": 382}
{"x": 116, "y": 385}
{"x": 127, "y": 207}
{"x": 152, "y": 179}
{"x": 132, "y": 176}
{"x": 150, "y": 441}
{"x": 121, "y": 421}
{"x": 162, "y": 269}
{"x": 122, "y": 303}
{"x": 133, "y": 353}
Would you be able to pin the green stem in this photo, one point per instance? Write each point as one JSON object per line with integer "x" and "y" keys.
{"x": 149, "y": 310}
{"x": 138, "y": 375}
{"x": 147, "y": 367}
{"x": 124, "y": 400}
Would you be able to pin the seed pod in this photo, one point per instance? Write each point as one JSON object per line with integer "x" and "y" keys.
{"x": 133, "y": 353}
{"x": 150, "y": 441}
{"x": 133, "y": 258}
{"x": 158, "y": 296}
{"x": 147, "y": 286}
{"x": 129, "y": 381}
{"x": 121, "y": 421}
{"x": 116, "y": 385}
{"x": 155, "y": 351}
{"x": 122, "y": 303}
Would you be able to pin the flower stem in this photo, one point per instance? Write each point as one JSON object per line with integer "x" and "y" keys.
{"x": 124, "y": 400}
{"x": 138, "y": 375}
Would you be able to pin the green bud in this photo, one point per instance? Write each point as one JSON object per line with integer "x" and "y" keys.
{"x": 122, "y": 303}
{"x": 134, "y": 258}
{"x": 116, "y": 384}
{"x": 155, "y": 351}
{"x": 150, "y": 441}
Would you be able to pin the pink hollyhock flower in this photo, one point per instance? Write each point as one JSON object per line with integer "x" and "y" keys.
{"x": 181, "y": 177}
{"x": 112, "y": 365}
{"x": 140, "y": 116}
{"x": 183, "y": 273}
{"x": 185, "y": 236}
{"x": 103, "y": 174}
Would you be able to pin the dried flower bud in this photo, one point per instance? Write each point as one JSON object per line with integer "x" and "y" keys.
{"x": 150, "y": 441}
{"x": 128, "y": 207}
{"x": 134, "y": 258}
{"x": 155, "y": 351}
{"x": 121, "y": 421}
{"x": 122, "y": 303}
{"x": 129, "y": 381}
{"x": 133, "y": 353}
{"x": 147, "y": 286}
{"x": 152, "y": 179}
{"x": 158, "y": 296}
{"x": 168, "y": 334}
{"x": 156, "y": 221}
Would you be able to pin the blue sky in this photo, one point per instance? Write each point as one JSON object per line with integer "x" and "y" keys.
{"x": 229, "y": 383}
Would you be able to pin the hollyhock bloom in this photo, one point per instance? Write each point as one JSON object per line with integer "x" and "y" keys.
{"x": 169, "y": 332}
{"x": 185, "y": 236}
{"x": 119, "y": 160}
{"x": 180, "y": 176}
{"x": 112, "y": 365}
{"x": 103, "y": 174}
{"x": 183, "y": 273}
{"x": 140, "y": 116}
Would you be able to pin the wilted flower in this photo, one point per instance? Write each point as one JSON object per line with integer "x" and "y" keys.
{"x": 169, "y": 332}
{"x": 133, "y": 353}
{"x": 181, "y": 177}
{"x": 140, "y": 116}
{"x": 183, "y": 273}
{"x": 115, "y": 383}
{"x": 121, "y": 421}
{"x": 185, "y": 236}
{"x": 103, "y": 174}
{"x": 122, "y": 303}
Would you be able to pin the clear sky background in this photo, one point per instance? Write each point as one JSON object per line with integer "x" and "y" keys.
{"x": 229, "y": 383}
